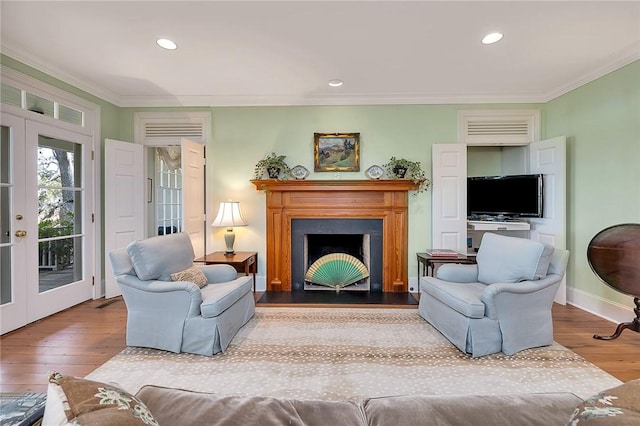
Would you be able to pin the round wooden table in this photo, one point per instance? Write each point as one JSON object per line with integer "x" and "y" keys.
{"x": 614, "y": 256}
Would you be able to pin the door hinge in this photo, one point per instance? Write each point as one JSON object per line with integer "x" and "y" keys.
{"x": 93, "y": 280}
{"x": 93, "y": 218}
{"x": 93, "y": 155}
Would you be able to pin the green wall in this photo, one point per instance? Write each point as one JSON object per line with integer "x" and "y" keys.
{"x": 602, "y": 122}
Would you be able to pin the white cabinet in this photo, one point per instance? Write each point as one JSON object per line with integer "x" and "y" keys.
{"x": 489, "y": 225}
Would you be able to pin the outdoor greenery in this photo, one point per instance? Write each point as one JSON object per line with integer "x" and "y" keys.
{"x": 413, "y": 171}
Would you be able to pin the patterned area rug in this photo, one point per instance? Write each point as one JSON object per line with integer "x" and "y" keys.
{"x": 339, "y": 353}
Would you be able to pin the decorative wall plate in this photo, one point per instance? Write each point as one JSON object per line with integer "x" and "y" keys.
{"x": 299, "y": 172}
{"x": 374, "y": 172}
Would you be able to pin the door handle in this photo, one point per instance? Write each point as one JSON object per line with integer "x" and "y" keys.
{"x": 21, "y": 233}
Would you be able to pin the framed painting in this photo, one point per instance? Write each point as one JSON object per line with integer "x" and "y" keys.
{"x": 336, "y": 152}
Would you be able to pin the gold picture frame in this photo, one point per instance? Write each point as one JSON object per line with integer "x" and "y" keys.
{"x": 336, "y": 152}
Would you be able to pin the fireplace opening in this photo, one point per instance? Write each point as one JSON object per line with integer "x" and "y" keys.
{"x": 311, "y": 239}
{"x": 318, "y": 246}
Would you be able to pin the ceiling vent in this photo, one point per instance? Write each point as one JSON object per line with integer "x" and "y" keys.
{"x": 167, "y": 128}
{"x": 498, "y": 127}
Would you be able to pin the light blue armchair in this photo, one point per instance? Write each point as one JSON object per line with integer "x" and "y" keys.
{"x": 501, "y": 304}
{"x": 179, "y": 316}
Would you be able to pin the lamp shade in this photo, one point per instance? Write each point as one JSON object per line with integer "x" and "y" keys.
{"x": 229, "y": 215}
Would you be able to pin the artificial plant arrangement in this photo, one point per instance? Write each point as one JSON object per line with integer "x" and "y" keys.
{"x": 401, "y": 168}
{"x": 274, "y": 165}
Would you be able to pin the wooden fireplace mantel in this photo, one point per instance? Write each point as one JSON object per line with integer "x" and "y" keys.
{"x": 317, "y": 199}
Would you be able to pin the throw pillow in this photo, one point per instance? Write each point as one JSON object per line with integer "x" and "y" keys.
{"x": 73, "y": 400}
{"x": 193, "y": 274}
{"x": 619, "y": 406}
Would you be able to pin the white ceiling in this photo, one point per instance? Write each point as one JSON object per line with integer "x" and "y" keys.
{"x": 284, "y": 53}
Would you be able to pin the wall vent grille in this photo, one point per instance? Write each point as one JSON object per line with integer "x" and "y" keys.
{"x": 168, "y": 128}
{"x": 498, "y": 127}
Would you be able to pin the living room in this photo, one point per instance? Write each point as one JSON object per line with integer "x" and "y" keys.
{"x": 597, "y": 111}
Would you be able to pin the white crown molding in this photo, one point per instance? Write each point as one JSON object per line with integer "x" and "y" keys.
{"x": 320, "y": 100}
{"x": 56, "y": 73}
{"x": 613, "y": 63}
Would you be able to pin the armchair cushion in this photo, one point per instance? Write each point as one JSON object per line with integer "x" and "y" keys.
{"x": 463, "y": 297}
{"x": 193, "y": 274}
{"x": 158, "y": 257}
{"x": 511, "y": 259}
{"x": 216, "y": 298}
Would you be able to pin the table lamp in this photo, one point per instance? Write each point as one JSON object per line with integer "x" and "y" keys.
{"x": 229, "y": 216}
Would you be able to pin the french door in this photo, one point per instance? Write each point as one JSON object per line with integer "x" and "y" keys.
{"x": 47, "y": 234}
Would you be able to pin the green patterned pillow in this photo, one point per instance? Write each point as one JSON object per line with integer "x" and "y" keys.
{"x": 77, "y": 401}
{"x": 619, "y": 406}
{"x": 193, "y": 274}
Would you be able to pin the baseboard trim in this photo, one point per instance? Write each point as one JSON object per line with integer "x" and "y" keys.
{"x": 611, "y": 311}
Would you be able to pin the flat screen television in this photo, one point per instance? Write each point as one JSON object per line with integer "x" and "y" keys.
{"x": 511, "y": 197}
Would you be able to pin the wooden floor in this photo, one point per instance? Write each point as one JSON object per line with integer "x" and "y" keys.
{"x": 82, "y": 338}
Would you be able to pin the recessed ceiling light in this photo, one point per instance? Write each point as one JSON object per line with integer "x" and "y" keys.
{"x": 492, "y": 38}
{"x": 336, "y": 82}
{"x": 165, "y": 43}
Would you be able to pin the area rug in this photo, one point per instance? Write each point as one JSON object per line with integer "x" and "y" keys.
{"x": 340, "y": 353}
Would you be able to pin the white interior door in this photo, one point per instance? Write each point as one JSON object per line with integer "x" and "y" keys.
{"x": 193, "y": 194}
{"x": 13, "y": 289}
{"x": 124, "y": 201}
{"x": 549, "y": 157}
{"x": 449, "y": 197}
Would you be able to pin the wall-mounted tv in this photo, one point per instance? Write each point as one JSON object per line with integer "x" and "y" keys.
{"x": 509, "y": 196}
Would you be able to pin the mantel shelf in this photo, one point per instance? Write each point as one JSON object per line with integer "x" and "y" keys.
{"x": 336, "y": 185}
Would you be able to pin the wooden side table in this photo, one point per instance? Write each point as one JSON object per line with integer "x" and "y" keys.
{"x": 243, "y": 261}
{"x": 429, "y": 262}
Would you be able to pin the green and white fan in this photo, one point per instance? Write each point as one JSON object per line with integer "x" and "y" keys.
{"x": 336, "y": 270}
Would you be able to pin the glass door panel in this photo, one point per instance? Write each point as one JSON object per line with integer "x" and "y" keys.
{"x": 59, "y": 224}
{"x": 13, "y": 290}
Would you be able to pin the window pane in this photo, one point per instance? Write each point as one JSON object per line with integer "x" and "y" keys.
{"x": 57, "y": 163}
{"x": 10, "y": 95}
{"x": 5, "y": 151}
{"x": 5, "y": 215}
{"x": 6, "y": 291}
{"x": 59, "y": 212}
{"x": 69, "y": 115}
{"x": 60, "y": 263}
{"x": 39, "y": 105}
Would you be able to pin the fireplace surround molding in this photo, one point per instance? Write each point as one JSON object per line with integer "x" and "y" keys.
{"x": 333, "y": 199}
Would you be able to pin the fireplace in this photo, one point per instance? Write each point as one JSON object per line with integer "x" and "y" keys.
{"x": 383, "y": 201}
{"x": 313, "y": 238}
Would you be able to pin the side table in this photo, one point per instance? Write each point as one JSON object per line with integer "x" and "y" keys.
{"x": 429, "y": 262}
{"x": 243, "y": 261}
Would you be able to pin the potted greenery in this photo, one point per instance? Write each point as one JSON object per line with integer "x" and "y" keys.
{"x": 400, "y": 168}
{"x": 273, "y": 164}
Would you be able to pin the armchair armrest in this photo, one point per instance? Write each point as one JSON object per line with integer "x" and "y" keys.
{"x": 532, "y": 291}
{"x": 218, "y": 273}
{"x": 182, "y": 296}
{"x": 458, "y": 273}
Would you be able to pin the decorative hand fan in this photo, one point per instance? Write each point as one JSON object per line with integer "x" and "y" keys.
{"x": 336, "y": 270}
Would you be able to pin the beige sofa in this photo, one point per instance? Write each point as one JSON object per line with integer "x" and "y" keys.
{"x": 73, "y": 400}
